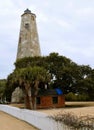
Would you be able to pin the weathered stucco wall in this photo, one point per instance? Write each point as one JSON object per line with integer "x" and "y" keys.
{"x": 28, "y": 44}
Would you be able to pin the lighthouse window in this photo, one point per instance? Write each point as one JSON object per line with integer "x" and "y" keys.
{"x": 27, "y": 25}
{"x": 32, "y": 18}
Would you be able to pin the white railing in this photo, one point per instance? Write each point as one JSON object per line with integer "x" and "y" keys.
{"x": 38, "y": 119}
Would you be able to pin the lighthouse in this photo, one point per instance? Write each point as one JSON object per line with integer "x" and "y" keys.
{"x": 28, "y": 44}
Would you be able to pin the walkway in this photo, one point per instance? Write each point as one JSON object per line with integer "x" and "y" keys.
{"x": 8, "y": 122}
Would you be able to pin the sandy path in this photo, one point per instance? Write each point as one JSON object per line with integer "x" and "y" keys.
{"x": 87, "y": 109}
{"x": 8, "y": 122}
{"x": 77, "y": 111}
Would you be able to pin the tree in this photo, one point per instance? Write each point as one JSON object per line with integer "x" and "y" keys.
{"x": 2, "y": 88}
{"x": 65, "y": 73}
{"x": 28, "y": 79}
{"x": 10, "y": 86}
{"x": 84, "y": 81}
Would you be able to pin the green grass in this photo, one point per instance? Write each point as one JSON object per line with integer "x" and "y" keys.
{"x": 78, "y": 104}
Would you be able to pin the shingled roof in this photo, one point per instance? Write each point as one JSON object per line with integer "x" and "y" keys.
{"x": 45, "y": 92}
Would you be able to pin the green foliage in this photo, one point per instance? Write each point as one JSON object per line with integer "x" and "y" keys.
{"x": 53, "y": 63}
{"x": 64, "y": 73}
{"x": 82, "y": 97}
{"x": 10, "y": 86}
{"x": 76, "y": 97}
{"x": 29, "y": 62}
{"x": 30, "y": 74}
{"x": 2, "y": 87}
{"x": 25, "y": 76}
{"x": 71, "y": 97}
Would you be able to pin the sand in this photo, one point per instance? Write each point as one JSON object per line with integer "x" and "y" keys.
{"x": 8, "y": 122}
{"x": 77, "y": 111}
{"x": 86, "y": 109}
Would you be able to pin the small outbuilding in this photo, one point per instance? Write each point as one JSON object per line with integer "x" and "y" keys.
{"x": 50, "y": 98}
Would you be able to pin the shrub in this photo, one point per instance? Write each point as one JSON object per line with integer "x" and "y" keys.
{"x": 76, "y": 97}
{"x": 75, "y": 122}
{"x": 70, "y": 97}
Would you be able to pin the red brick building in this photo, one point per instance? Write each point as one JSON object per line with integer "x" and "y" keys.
{"x": 50, "y": 98}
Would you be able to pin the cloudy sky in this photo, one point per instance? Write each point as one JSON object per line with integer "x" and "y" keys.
{"x": 64, "y": 26}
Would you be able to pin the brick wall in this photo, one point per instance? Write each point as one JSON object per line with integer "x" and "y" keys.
{"x": 51, "y": 101}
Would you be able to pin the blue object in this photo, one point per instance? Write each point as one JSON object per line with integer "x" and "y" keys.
{"x": 59, "y": 91}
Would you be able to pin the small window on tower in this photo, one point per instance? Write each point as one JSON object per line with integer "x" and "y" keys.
{"x": 27, "y": 25}
{"x": 32, "y": 18}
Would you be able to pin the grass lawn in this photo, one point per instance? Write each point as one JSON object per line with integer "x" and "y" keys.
{"x": 78, "y": 104}
{"x": 67, "y": 104}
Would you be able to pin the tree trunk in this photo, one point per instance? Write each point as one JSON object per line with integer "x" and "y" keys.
{"x": 35, "y": 94}
{"x": 30, "y": 95}
{"x": 28, "y": 98}
{"x": 26, "y": 101}
{"x": 34, "y": 102}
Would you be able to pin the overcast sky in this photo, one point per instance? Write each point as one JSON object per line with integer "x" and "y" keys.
{"x": 64, "y": 26}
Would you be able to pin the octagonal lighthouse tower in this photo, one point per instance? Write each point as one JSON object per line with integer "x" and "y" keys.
{"x": 28, "y": 45}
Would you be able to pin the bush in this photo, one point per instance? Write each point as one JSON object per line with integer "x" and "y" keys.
{"x": 74, "y": 121}
{"x": 82, "y": 97}
{"x": 76, "y": 97}
{"x": 70, "y": 97}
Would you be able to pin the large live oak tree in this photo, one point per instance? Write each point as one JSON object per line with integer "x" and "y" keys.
{"x": 64, "y": 73}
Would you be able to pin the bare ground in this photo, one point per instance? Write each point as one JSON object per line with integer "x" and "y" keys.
{"x": 78, "y": 108}
{"x": 8, "y": 122}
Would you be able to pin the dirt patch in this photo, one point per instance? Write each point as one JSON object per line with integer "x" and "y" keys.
{"x": 78, "y": 108}
{"x": 8, "y": 122}
{"x": 78, "y": 104}
{"x": 78, "y": 111}
{"x": 19, "y": 105}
